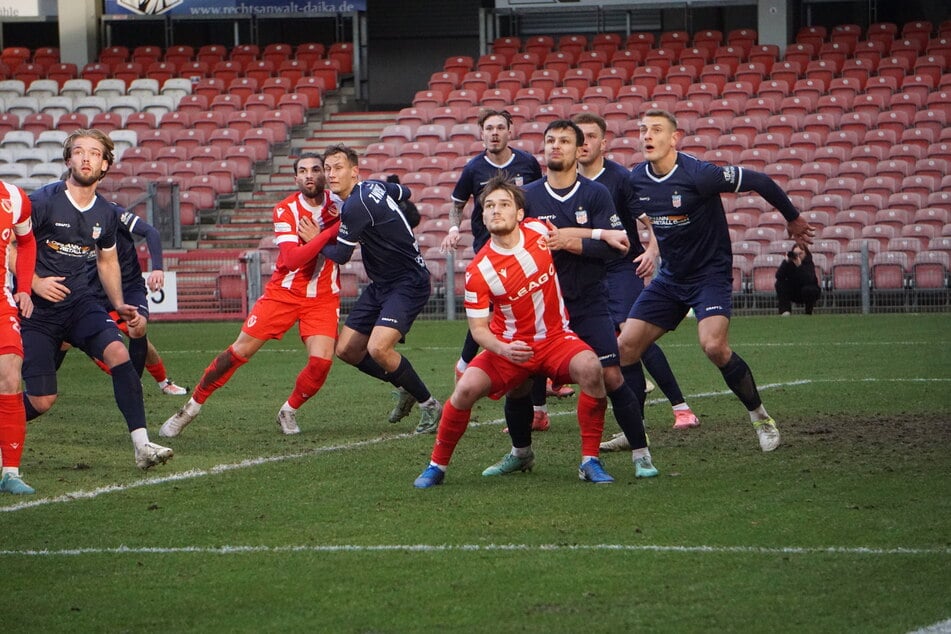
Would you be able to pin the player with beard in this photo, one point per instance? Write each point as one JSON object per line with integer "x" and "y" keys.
{"x": 303, "y": 289}
{"x": 71, "y": 221}
{"x": 626, "y": 275}
{"x": 585, "y": 234}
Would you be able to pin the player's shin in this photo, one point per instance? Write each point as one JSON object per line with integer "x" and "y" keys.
{"x": 591, "y": 421}
{"x": 309, "y": 381}
{"x": 739, "y": 378}
{"x": 452, "y": 425}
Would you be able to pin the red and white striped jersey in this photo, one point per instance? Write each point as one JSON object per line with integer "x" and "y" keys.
{"x": 319, "y": 276}
{"x": 14, "y": 221}
{"x": 522, "y": 286}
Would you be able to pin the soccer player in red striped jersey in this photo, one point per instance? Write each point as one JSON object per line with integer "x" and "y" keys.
{"x": 303, "y": 288}
{"x": 526, "y": 334}
{"x": 15, "y": 226}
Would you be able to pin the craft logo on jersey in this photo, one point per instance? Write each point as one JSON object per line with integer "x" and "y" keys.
{"x": 675, "y": 200}
{"x": 149, "y": 7}
{"x": 581, "y": 216}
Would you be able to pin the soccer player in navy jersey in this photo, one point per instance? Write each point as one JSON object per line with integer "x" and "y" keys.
{"x": 70, "y": 220}
{"x": 681, "y": 195}
{"x": 372, "y": 217}
{"x": 626, "y": 275}
{"x": 573, "y": 207}
{"x": 518, "y": 165}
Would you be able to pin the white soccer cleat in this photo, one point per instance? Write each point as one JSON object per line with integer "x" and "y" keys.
{"x": 287, "y": 421}
{"x": 174, "y": 425}
{"x": 768, "y": 435}
{"x": 618, "y": 442}
{"x": 150, "y": 454}
{"x": 168, "y": 387}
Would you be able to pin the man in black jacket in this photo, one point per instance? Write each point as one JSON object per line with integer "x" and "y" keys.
{"x": 796, "y": 281}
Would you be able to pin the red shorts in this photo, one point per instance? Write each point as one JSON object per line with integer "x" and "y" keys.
{"x": 551, "y": 358}
{"x": 273, "y": 316}
{"x": 10, "y": 340}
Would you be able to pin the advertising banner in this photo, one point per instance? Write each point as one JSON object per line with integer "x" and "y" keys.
{"x": 225, "y": 8}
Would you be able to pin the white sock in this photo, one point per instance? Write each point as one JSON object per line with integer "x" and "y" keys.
{"x": 683, "y": 407}
{"x": 521, "y": 452}
{"x": 11, "y": 470}
{"x": 585, "y": 459}
{"x": 758, "y": 414}
{"x": 540, "y": 408}
{"x": 441, "y": 467}
{"x": 461, "y": 365}
{"x": 640, "y": 453}
{"x": 430, "y": 402}
{"x": 192, "y": 407}
{"x": 286, "y": 407}
{"x": 140, "y": 436}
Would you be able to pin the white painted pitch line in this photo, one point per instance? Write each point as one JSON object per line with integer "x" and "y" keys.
{"x": 427, "y": 548}
{"x": 942, "y": 627}
{"x": 253, "y": 462}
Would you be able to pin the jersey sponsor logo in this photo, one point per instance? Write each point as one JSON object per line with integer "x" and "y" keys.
{"x": 581, "y": 215}
{"x": 126, "y": 217}
{"x": 149, "y": 7}
{"x": 72, "y": 250}
{"x": 615, "y": 221}
{"x": 670, "y": 221}
{"x": 282, "y": 227}
{"x": 730, "y": 173}
{"x": 534, "y": 284}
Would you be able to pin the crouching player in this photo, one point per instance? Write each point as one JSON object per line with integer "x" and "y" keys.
{"x": 528, "y": 335}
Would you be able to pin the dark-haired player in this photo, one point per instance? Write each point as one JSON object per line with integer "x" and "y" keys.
{"x": 374, "y": 216}
{"x": 681, "y": 195}
{"x": 303, "y": 289}
{"x": 583, "y": 223}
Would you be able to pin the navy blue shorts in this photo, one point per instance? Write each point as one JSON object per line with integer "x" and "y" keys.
{"x": 394, "y": 306}
{"x": 135, "y": 294}
{"x": 665, "y": 303}
{"x": 84, "y": 324}
{"x": 595, "y": 327}
{"x": 623, "y": 288}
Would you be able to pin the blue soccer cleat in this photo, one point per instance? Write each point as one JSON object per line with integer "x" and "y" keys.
{"x": 593, "y": 471}
{"x": 432, "y": 476}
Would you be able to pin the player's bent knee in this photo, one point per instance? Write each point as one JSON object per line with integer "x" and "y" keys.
{"x": 42, "y": 404}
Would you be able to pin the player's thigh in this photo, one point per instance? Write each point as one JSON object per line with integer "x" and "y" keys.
{"x": 136, "y": 296}
{"x": 270, "y": 318}
{"x": 661, "y": 303}
{"x": 10, "y": 365}
{"x": 402, "y": 304}
{"x": 635, "y": 338}
{"x": 351, "y": 345}
{"x": 41, "y": 344}
{"x": 597, "y": 331}
{"x": 503, "y": 374}
{"x": 93, "y": 331}
{"x": 319, "y": 319}
{"x": 623, "y": 286}
{"x": 364, "y": 312}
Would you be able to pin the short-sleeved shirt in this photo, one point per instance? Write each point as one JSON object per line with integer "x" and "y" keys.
{"x": 687, "y": 216}
{"x": 318, "y": 277}
{"x": 521, "y": 167}
{"x": 521, "y": 284}
{"x": 586, "y": 204}
{"x": 372, "y": 218}
{"x": 66, "y": 236}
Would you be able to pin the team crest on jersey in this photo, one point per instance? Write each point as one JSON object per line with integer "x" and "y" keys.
{"x": 7, "y": 205}
{"x": 519, "y": 180}
{"x": 5, "y": 236}
{"x": 332, "y": 211}
{"x": 96, "y": 232}
{"x": 581, "y": 216}
{"x": 676, "y": 201}
{"x": 543, "y": 243}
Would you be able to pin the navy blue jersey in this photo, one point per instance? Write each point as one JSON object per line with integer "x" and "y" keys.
{"x": 66, "y": 236}
{"x": 617, "y": 179}
{"x": 372, "y": 218}
{"x": 687, "y": 215}
{"x": 585, "y": 204}
{"x": 129, "y": 266}
{"x": 521, "y": 168}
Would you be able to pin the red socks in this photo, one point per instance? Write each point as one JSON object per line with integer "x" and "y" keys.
{"x": 309, "y": 381}
{"x": 217, "y": 374}
{"x": 12, "y": 428}
{"x": 452, "y": 425}
{"x": 591, "y": 421}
